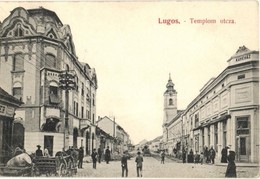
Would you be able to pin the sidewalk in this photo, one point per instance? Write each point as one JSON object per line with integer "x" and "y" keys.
{"x": 217, "y": 163}
{"x": 239, "y": 164}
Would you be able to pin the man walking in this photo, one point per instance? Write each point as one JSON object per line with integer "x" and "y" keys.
{"x": 107, "y": 155}
{"x": 94, "y": 158}
{"x": 139, "y": 164}
{"x": 162, "y": 157}
{"x": 124, "y": 164}
{"x": 81, "y": 156}
{"x": 99, "y": 155}
{"x": 212, "y": 154}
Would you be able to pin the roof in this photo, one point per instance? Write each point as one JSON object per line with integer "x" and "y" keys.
{"x": 179, "y": 113}
{"x": 44, "y": 11}
{"x": 9, "y": 98}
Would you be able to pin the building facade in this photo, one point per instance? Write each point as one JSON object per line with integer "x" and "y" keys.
{"x": 121, "y": 138}
{"x": 35, "y": 49}
{"x": 226, "y": 112}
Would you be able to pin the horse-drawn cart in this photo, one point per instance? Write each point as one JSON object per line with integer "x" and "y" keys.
{"x": 22, "y": 165}
{"x": 58, "y": 166}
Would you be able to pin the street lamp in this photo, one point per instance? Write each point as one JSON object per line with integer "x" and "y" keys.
{"x": 67, "y": 82}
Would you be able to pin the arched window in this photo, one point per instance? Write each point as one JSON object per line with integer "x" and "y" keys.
{"x": 18, "y": 32}
{"x": 170, "y": 101}
{"x": 50, "y": 61}
{"x": 67, "y": 67}
{"x": 18, "y": 63}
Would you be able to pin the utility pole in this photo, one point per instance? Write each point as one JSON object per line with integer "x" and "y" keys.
{"x": 67, "y": 82}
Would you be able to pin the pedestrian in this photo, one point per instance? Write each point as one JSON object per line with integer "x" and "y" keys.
{"x": 206, "y": 154}
{"x": 99, "y": 155}
{"x": 183, "y": 155}
{"x": 196, "y": 158}
{"x": 124, "y": 164}
{"x": 38, "y": 152}
{"x": 162, "y": 156}
{"x": 94, "y": 158}
{"x": 201, "y": 158}
{"x": 46, "y": 153}
{"x": 81, "y": 156}
{"x": 107, "y": 155}
{"x": 224, "y": 154}
{"x": 212, "y": 154}
{"x": 139, "y": 164}
{"x": 191, "y": 156}
{"x": 231, "y": 168}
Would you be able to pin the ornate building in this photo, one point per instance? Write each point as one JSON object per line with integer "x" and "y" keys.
{"x": 226, "y": 112}
{"x": 35, "y": 49}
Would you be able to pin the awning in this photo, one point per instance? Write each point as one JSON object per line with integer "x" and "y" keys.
{"x": 221, "y": 118}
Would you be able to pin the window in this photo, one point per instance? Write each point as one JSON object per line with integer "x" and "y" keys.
{"x": 241, "y": 76}
{"x": 170, "y": 102}
{"x": 50, "y": 61}
{"x": 196, "y": 120}
{"x": 77, "y": 83}
{"x": 93, "y": 100}
{"x": 82, "y": 89}
{"x": 82, "y": 112}
{"x": 77, "y": 109}
{"x": 242, "y": 125}
{"x": 54, "y": 98}
{"x": 17, "y": 93}
{"x": 18, "y": 31}
{"x": 18, "y": 63}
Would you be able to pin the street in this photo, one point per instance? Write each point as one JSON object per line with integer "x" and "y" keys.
{"x": 152, "y": 168}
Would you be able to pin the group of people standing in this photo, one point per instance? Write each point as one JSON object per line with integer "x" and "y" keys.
{"x": 39, "y": 152}
{"x": 96, "y": 156}
{"x": 207, "y": 156}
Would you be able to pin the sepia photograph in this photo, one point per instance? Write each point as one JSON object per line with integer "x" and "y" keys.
{"x": 136, "y": 88}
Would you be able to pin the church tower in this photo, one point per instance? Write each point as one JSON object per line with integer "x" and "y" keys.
{"x": 170, "y": 101}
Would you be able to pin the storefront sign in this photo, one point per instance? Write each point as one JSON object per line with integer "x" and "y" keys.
{"x": 6, "y": 111}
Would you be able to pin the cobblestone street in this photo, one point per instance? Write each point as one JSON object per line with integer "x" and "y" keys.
{"x": 153, "y": 168}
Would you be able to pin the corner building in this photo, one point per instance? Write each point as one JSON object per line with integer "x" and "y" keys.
{"x": 226, "y": 112}
{"x": 35, "y": 48}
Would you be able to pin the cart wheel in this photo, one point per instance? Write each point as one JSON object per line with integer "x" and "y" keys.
{"x": 62, "y": 170}
{"x": 70, "y": 167}
{"x": 48, "y": 174}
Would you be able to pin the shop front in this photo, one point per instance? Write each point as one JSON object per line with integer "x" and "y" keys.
{"x": 8, "y": 104}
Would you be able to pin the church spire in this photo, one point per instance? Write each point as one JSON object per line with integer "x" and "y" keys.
{"x": 170, "y": 85}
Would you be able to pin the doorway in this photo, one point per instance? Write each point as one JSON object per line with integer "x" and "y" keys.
{"x": 243, "y": 148}
{"x": 48, "y": 143}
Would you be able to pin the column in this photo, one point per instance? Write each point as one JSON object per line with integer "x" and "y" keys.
{"x": 200, "y": 141}
{"x": 220, "y": 139}
{"x": 206, "y": 136}
{"x": 212, "y": 136}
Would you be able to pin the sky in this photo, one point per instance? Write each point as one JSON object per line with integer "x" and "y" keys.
{"x": 133, "y": 51}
